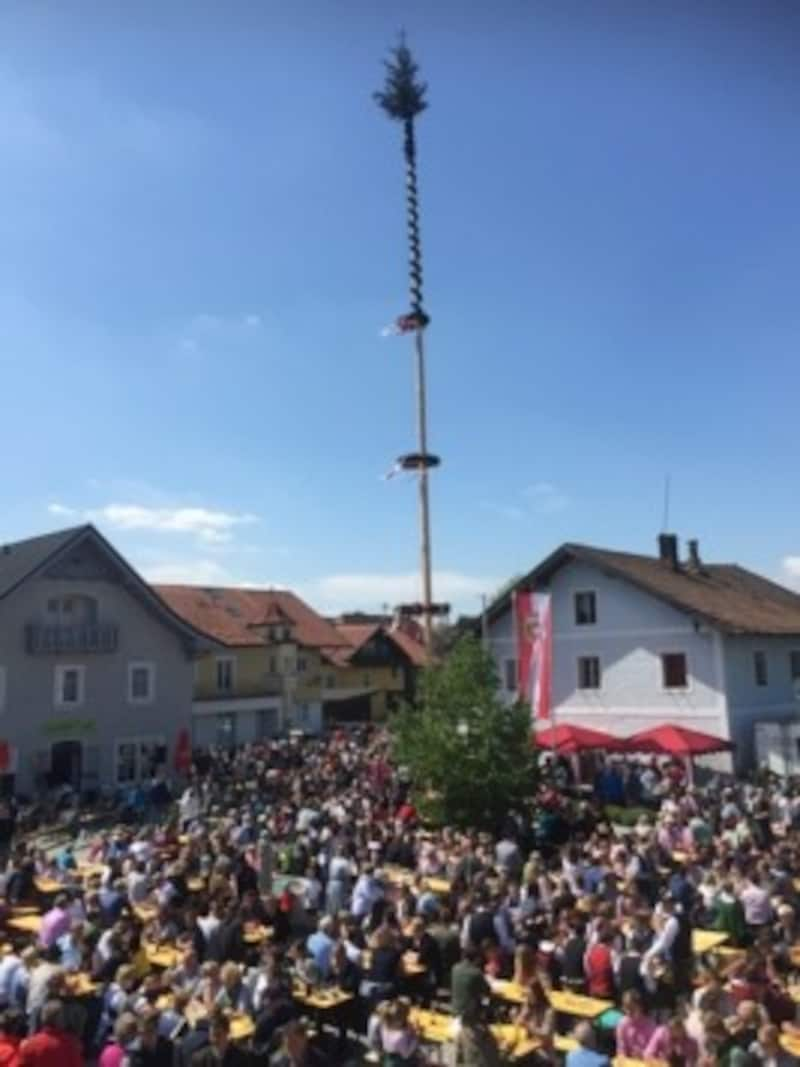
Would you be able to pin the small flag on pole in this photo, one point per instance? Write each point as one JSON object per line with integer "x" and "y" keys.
{"x": 395, "y": 469}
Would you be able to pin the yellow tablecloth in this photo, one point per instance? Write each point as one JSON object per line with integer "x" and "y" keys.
{"x": 254, "y": 935}
{"x": 791, "y": 1043}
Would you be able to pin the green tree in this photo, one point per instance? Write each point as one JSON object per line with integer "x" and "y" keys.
{"x": 470, "y": 757}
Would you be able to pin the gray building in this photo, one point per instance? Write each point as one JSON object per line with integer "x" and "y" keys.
{"x": 642, "y": 640}
{"x": 96, "y": 670}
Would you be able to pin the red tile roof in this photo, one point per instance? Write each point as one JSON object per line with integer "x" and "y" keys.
{"x": 357, "y": 635}
{"x": 414, "y": 649}
{"x": 233, "y": 616}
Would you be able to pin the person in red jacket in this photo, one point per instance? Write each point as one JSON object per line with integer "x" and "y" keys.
{"x": 598, "y": 965}
{"x": 12, "y": 1030}
{"x": 52, "y": 1046}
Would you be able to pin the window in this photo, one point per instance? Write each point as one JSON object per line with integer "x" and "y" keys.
{"x": 510, "y": 675}
{"x": 226, "y": 731}
{"x": 225, "y": 674}
{"x": 138, "y": 758}
{"x": 2, "y": 688}
{"x": 69, "y": 686}
{"x": 126, "y": 762}
{"x": 141, "y": 683}
{"x": 366, "y": 679}
{"x": 760, "y": 668}
{"x": 301, "y": 664}
{"x": 794, "y": 665}
{"x": 330, "y": 681}
{"x": 674, "y": 674}
{"x": 585, "y": 609}
{"x": 589, "y": 672}
{"x": 272, "y": 665}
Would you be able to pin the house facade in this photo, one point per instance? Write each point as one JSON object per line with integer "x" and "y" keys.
{"x": 95, "y": 669}
{"x": 267, "y": 676}
{"x": 368, "y": 679}
{"x": 642, "y": 640}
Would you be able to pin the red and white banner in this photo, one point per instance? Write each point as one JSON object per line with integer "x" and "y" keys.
{"x": 534, "y": 624}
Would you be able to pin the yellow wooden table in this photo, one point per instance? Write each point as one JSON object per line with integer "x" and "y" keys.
{"x": 80, "y": 985}
{"x": 514, "y": 1042}
{"x": 629, "y": 1061}
{"x": 321, "y": 999}
{"x": 794, "y": 993}
{"x": 47, "y": 886}
{"x": 25, "y": 924}
{"x": 794, "y": 955}
{"x": 145, "y": 912}
{"x": 433, "y": 1027}
{"x": 706, "y": 940}
{"x": 89, "y": 870}
{"x": 25, "y": 909}
{"x": 441, "y": 886}
{"x": 508, "y": 991}
{"x": 791, "y": 1043}
{"x": 567, "y": 1003}
{"x": 412, "y": 968}
{"x": 196, "y": 885}
{"x": 255, "y": 934}
{"x": 162, "y": 955}
{"x": 242, "y": 1027}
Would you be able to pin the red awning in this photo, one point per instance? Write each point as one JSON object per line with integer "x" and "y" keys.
{"x": 676, "y": 741}
{"x": 568, "y": 739}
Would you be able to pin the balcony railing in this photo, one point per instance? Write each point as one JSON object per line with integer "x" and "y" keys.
{"x": 77, "y": 637}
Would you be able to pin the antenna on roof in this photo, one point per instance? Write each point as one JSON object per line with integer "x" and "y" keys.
{"x": 665, "y": 519}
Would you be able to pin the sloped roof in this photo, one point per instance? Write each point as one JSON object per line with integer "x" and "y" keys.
{"x": 414, "y": 649}
{"x": 358, "y": 634}
{"x": 736, "y": 600}
{"x": 19, "y": 559}
{"x": 233, "y": 616}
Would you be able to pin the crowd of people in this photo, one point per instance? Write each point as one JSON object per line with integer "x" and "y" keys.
{"x": 291, "y": 908}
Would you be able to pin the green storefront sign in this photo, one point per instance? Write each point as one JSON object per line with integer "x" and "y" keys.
{"x": 70, "y": 727}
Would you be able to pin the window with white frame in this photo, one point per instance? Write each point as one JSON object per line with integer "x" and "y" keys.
{"x": 585, "y": 609}
{"x": 138, "y": 758}
{"x": 510, "y": 675}
{"x": 141, "y": 682}
{"x": 589, "y": 676}
{"x": 2, "y": 688}
{"x": 70, "y": 685}
{"x": 794, "y": 665}
{"x": 226, "y": 674}
{"x": 674, "y": 670}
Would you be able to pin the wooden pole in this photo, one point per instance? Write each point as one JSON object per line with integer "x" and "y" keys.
{"x": 424, "y": 501}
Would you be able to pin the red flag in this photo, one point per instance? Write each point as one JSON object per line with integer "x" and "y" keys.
{"x": 535, "y": 651}
{"x": 5, "y": 756}
{"x": 183, "y": 752}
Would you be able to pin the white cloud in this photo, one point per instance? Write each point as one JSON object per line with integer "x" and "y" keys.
{"x": 545, "y": 498}
{"x": 188, "y": 572}
{"x": 211, "y": 527}
{"x": 791, "y": 571}
{"x": 61, "y": 511}
{"x": 206, "y": 330}
{"x": 342, "y": 592}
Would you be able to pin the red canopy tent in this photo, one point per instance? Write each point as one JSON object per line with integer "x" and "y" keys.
{"x": 672, "y": 740}
{"x": 568, "y": 740}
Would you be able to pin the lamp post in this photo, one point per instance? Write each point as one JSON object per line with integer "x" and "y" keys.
{"x": 403, "y": 98}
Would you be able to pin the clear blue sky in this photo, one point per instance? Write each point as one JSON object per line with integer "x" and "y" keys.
{"x": 202, "y": 236}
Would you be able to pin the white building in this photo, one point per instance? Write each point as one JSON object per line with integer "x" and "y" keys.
{"x": 642, "y": 640}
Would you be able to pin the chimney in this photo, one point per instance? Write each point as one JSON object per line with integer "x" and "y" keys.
{"x": 694, "y": 562}
{"x": 668, "y": 549}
